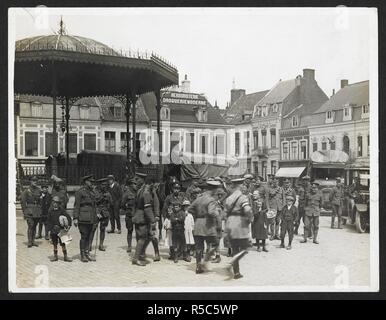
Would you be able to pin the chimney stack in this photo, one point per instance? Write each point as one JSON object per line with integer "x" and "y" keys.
{"x": 185, "y": 84}
{"x": 343, "y": 83}
{"x": 309, "y": 74}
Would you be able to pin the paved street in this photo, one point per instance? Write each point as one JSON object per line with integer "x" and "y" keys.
{"x": 305, "y": 265}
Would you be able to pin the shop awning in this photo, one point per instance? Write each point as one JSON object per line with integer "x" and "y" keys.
{"x": 290, "y": 172}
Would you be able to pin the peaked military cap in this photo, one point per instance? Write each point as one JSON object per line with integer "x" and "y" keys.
{"x": 56, "y": 199}
{"x": 110, "y": 176}
{"x": 306, "y": 177}
{"x": 140, "y": 174}
{"x": 248, "y": 176}
{"x": 314, "y": 183}
{"x": 290, "y": 198}
{"x": 88, "y": 177}
{"x": 102, "y": 180}
{"x": 238, "y": 180}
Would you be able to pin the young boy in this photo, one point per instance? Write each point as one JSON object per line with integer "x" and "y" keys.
{"x": 58, "y": 220}
{"x": 46, "y": 202}
{"x": 289, "y": 217}
{"x": 177, "y": 219}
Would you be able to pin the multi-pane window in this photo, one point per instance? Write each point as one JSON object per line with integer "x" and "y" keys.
{"x": 110, "y": 141}
{"x": 204, "y": 144}
{"x": 332, "y": 145}
{"x": 294, "y": 150}
{"x": 368, "y": 145}
{"x": 264, "y": 138}
{"x": 123, "y": 145}
{"x": 346, "y": 144}
{"x": 84, "y": 112}
{"x": 365, "y": 109}
{"x": 324, "y": 145}
{"x": 72, "y": 143}
{"x": 36, "y": 110}
{"x": 273, "y": 167}
{"x": 158, "y": 141}
{"x": 116, "y": 111}
{"x": 219, "y": 144}
{"x": 295, "y": 121}
{"x": 190, "y": 142}
{"x": 303, "y": 149}
{"x": 285, "y": 147}
{"x": 90, "y": 141}
{"x": 255, "y": 139}
{"x": 247, "y": 143}
{"x": 174, "y": 141}
{"x": 314, "y": 147}
{"x": 48, "y": 143}
{"x": 264, "y": 169}
{"x": 237, "y": 143}
{"x": 273, "y": 138}
{"x": 360, "y": 146}
{"x": 31, "y": 144}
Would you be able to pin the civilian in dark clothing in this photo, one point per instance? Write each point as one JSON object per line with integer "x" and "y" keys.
{"x": 46, "y": 202}
{"x": 116, "y": 193}
{"x": 177, "y": 219}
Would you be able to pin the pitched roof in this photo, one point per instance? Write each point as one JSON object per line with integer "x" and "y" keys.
{"x": 355, "y": 94}
{"x": 242, "y": 105}
{"x": 180, "y": 112}
{"x": 279, "y": 92}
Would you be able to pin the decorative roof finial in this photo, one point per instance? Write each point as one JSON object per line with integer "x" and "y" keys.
{"x": 62, "y": 30}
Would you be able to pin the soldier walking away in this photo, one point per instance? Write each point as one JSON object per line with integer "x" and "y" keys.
{"x": 301, "y": 196}
{"x": 312, "y": 212}
{"x": 275, "y": 201}
{"x": 116, "y": 193}
{"x": 104, "y": 208}
{"x": 239, "y": 217}
{"x": 58, "y": 220}
{"x": 128, "y": 205}
{"x": 204, "y": 211}
{"x": 260, "y": 221}
{"x": 85, "y": 216}
{"x": 336, "y": 199}
{"x": 144, "y": 219}
{"x": 289, "y": 216}
{"x": 32, "y": 209}
{"x": 46, "y": 202}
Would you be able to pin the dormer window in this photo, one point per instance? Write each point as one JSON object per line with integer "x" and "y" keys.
{"x": 295, "y": 121}
{"x": 84, "y": 112}
{"x": 165, "y": 113}
{"x": 329, "y": 116}
{"x": 116, "y": 110}
{"x": 36, "y": 109}
{"x": 365, "y": 111}
{"x": 347, "y": 113}
{"x": 274, "y": 107}
{"x": 258, "y": 111}
{"x": 202, "y": 115}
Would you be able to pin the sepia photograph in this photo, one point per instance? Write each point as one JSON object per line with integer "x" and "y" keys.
{"x": 193, "y": 149}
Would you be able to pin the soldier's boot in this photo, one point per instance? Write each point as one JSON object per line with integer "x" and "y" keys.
{"x": 229, "y": 253}
{"x": 199, "y": 268}
{"x": 55, "y": 257}
{"x": 40, "y": 229}
{"x": 138, "y": 251}
{"x": 157, "y": 256}
{"x": 101, "y": 247}
{"x": 83, "y": 256}
{"x": 66, "y": 258}
{"x": 282, "y": 243}
{"x": 258, "y": 246}
{"x": 186, "y": 256}
{"x": 296, "y": 229}
{"x": 316, "y": 237}
{"x": 171, "y": 253}
{"x": 89, "y": 258}
{"x": 332, "y": 222}
{"x": 265, "y": 248}
{"x": 339, "y": 222}
{"x": 236, "y": 270}
{"x": 304, "y": 240}
{"x": 47, "y": 235}
{"x": 129, "y": 240}
{"x": 175, "y": 255}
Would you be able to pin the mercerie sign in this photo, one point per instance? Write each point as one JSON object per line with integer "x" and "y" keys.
{"x": 184, "y": 98}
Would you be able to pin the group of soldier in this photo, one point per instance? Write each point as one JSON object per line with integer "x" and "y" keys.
{"x": 237, "y": 210}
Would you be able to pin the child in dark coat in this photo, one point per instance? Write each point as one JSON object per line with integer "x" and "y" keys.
{"x": 58, "y": 220}
{"x": 289, "y": 217}
{"x": 177, "y": 220}
{"x": 260, "y": 222}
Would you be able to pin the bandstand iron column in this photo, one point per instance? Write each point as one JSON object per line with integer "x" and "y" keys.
{"x": 54, "y": 165}
{"x": 133, "y": 99}
{"x": 158, "y": 108}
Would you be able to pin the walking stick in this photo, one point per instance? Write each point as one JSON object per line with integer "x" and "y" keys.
{"x": 96, "y": 240}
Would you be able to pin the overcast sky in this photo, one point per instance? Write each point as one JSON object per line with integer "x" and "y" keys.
{"x": 257, "y": 47}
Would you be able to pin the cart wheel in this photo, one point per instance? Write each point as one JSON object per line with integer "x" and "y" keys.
{"x": 360, "y": 222}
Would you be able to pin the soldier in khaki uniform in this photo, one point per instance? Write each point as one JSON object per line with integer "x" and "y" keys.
{"x": 31, "y": 205}
{"x": 336, "y": 199}
{"x": 275, "y": 201}
{"x": 205, "y": 211}
{"x": 85, "y": 216}
{"x": 144, "y": 218}
{"x": 239, "y": 218}
{"x": 128, "y": 206}
{"x": 313, "y": 204}
{"x": 301, "y": 196}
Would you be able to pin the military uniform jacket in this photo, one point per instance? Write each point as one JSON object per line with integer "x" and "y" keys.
{"x": 204, "y": 211}
{"x": 337, "y": 195}
{"x": 313, "y": 204}
{"x": 144, "y": 213}
{"x": 128, "y": 202}
{"x": 170, "y": 200}
{"x": 289, "y": 214}
{"x": 237, "y": 225}
{"x": 275, "y": 201}
{"x": 104, "y": 202}
{"x": 301, "y": 193}
{"x": 31, "y": 202}
{"x": 85, "y": 206}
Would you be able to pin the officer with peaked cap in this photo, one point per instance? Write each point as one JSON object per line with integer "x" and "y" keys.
{"x": 204, "y": 211}
{"x": 104, "y": 208}
{"x": 116, "y": 194}
{"x": 313, "y": 204}
{"x": 128, "y": 206}
{"x": 85, "y": 216}
{"x": 239, "y": 217}
{"x": 32, "y": 210}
